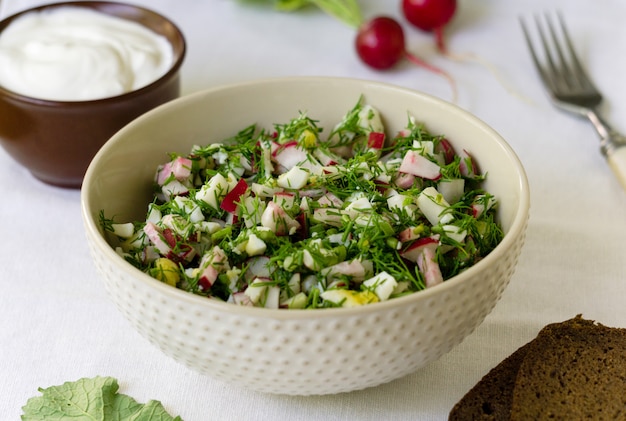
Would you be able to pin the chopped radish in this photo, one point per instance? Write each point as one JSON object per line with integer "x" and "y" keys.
{"x": 327, "y": 158}
{"x": 179, "y": 168}
{"x": 257, "y": 289}
{"x": 404, "y": 180}
{"x": 295, "y": 178}
{"x": 272, "y": 297}
{"x": 376, "y": 140}
{"x": 275, "y": 218}
{"x": 124, "y": 230}
{"x": 232, "y": 198}
{"x": 213, "y": 191}
{"x": 258, "y": 267}
{"x": 416, "y": 248}
{"x": 467, "y": 165}
{"x": 154, "y": 234}
{"x": 369, "y": 119}
{"x": 240, "y": 298}
{"x": 174, "y": 188}
{"x": 427, "y": 264}
{"x": 451, "y": 190}
{"x": 285, "y": 200}
{"x": 420, "y": 166}
{"x": 329, "y": 216}
{"x": 409, "y": 234}
{"x": 330, "y": 200}
{"x": 433, "y": 206}
{"x": 255, "y": 246}
{"x": 481, "y": 204}
{"x": 289, "y": 155}
{"x": 355, "y": 269}
{"x": 358, "y": 206}
{"x": 445, "y": 148}
{"x": 455, "y": 233}
{"x": 212, "y": 264}
{"x": 264, "y": 191}
{"x": 423, "y": 252}
{"x": 383, "y": 284}
{"x": 402, "y": 203}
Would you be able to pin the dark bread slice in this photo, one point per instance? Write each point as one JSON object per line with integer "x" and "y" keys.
{"x": 573, "y": 370}
{"x": 490, "y": 398}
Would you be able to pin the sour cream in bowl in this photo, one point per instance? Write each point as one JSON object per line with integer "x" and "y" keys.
{"x": 73, "y": 73}
{"x": 75, "y": 53}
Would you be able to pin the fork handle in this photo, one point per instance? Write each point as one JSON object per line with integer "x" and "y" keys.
{"x": 617, "y": 161}
{"x": 612, "y": 145}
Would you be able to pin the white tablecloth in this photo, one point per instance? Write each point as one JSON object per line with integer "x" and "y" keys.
{"x": 57, "y": 324}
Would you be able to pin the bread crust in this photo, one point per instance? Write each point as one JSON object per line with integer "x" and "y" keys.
{"x": 572, "y": 370}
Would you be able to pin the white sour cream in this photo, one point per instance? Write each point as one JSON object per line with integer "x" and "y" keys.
{"x": 75, "y": 54}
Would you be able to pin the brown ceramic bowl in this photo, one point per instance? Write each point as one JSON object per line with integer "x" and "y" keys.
{"x": 56, "y": 140}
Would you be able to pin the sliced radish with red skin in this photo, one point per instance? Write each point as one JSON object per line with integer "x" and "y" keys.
{"x": 230, "y": 201}
{"x": 275, "y": 218}
{"x": 427, "y": 264}
{"x": 184, "y": 253}
{"x": 154, "y": 235}
{"x": 404, "y": 180}
{"x": 376, "y": 140}
{"x": 289, "y": 155}
{"x": 416, "y": 248}
{"x": 424, "y": 252}
{"x": 241, "y": 299}
{"x": 408, "y": 234}
{"x": 257, "y": 268}
{"x": 467, "y": 166}
{"x": 419, "y": 166}
{"x": 170, "y": 237}
{"x": 445, "y": 147}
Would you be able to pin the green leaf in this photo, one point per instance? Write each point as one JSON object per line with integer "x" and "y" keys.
{"x": 347, "y": 11}
{"x": 91, "y": 399}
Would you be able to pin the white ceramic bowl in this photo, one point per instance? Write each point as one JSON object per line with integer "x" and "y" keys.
{"x": 299, "y": 352}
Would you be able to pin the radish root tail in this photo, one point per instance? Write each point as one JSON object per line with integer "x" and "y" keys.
{"x": 419, "y": 62}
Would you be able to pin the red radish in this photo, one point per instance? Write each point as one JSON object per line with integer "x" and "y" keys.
{"x": 275, "y": 218}
{"x": 380, "y": 44}
{"x": 424, "y": 252}
{"x": 376, "y": 140}
{"x": 404, "y": 180}
{"x": 288, "y": 155}
{"x": 444, "y": 146}
{"x": 154, "y": 234}
{"x": 430, "y": 15}
{"x": 416, "y": 164}
{"x": 169, "y": 236}
{"x": 467, "y": 166}
{"x": 257, "y": 268}
{"x": 433, "y": 16}
{"x": 416, "y": 248}
{"x": 409, "y": 234}
{"x": 229, "y": 204}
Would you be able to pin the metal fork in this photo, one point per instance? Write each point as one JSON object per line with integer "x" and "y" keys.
{"x": 571, "y": 89}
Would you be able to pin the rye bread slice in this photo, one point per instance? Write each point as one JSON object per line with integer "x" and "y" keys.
{"x": 490, "y": 399}
{"x": 574, "y": 370}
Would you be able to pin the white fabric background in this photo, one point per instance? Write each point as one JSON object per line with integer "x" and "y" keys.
{"x": 57, "y": 324}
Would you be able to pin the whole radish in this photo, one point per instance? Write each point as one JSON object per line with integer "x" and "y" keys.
{"x": 430, "y": 15}
{"x": 380, "y": 44}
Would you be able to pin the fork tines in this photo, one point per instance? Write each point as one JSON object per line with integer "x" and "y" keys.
{"x": 562, "y": 68}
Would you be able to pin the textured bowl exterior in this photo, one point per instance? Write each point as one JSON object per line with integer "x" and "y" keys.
{"x": 298, "y": 352}
{"x": 56, "y": 140}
